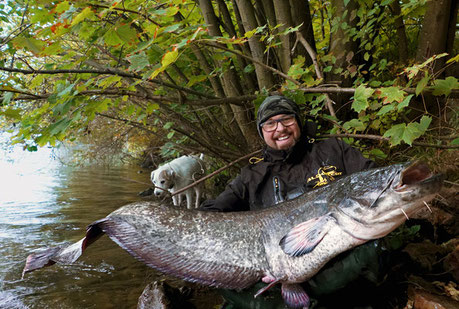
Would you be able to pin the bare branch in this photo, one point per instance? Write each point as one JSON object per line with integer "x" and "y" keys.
{"x": 319, "y": 74}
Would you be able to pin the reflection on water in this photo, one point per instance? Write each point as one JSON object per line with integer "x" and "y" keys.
{"x": 45, "y": 204}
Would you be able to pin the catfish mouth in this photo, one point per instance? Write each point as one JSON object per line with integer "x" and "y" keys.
{"x": 416, "y": 173}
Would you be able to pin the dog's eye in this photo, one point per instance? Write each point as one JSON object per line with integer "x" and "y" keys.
{"x": 163, "y": 181}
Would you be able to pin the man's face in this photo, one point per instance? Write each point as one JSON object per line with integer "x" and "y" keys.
{"x": 283, "y": 136}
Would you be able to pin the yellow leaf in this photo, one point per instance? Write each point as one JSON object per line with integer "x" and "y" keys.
{"x": 86, "y": 13}
{"x": 169, "y": 57}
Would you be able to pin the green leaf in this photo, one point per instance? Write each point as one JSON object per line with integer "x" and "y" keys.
{"x": 391, "y": 94}
{"x": 62, "y": 7}
{"x": 111, "y": 38}
{"x": 7, "y": 96}
{"x": 422, "y": 84}
{"x": 170, "y": 134}
{"x": 425, "y": 123}
{"x": 52, "y": 49}
{"x": 86, "y": 13}
{"x": 366, "y": 56}
{"x": 65, "y": 91}
{"x": 138, "y": 61}
{"x": 152, "y": 107}
{"x": 405, "y": 102}
{"x": 378, "y": 153}
{"x": 12, "y": 113}
{"x": 395, "y": 133}
{"x": 168, "y": 125}
{"x": 445, "y": 86}
{"x": 59, "y": 126}
{"x": 126, "y": 33}
{"x": 386, "y": 109}
{"x": 408, "y": 133}
{"x": 354, "y": 124}
{"x": 196, "y": 79}
{"x": 31, "y": 44}
{"x": 361, "y": 96}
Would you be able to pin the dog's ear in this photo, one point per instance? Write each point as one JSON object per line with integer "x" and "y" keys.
{"x": 171, "y": 174}
{"x": 152, "y": 176}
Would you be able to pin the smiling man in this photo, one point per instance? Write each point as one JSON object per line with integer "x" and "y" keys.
{"x": 292, "y": 161}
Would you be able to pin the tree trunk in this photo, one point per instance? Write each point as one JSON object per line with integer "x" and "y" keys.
{"x": 264, "y": 77}
{"x": 284, "y": 19}
{"x": 343, "y": 48}
{"x": 434, "y": 33}
{"x": 249, "y": 79}
{"x": 231, "y": 84}
{"x": 268, "y": 10}
{"x": 401, "y": 33}
{"x": 302, "y": 15}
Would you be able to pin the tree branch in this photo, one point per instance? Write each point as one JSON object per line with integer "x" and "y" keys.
{"x": 319, "y": 74}
{"x": 386, "y": 139}
{"x": 107, "y": 71}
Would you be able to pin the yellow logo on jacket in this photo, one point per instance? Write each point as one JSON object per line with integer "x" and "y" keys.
{"x": 325, "y": 175}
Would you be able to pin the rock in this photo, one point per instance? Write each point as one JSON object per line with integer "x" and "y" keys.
{"x": 426, "y": 300}
{"x": 153, "y": 297}
{"x": 147, "y": 192}
{"x": 426, "y": 295}
{"x": 160, "y": 295}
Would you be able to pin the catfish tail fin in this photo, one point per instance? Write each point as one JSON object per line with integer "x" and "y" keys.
{"x": 62, "y": 254}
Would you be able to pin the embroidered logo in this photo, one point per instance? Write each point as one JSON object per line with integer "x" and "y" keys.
{"x": 324, "y": 175}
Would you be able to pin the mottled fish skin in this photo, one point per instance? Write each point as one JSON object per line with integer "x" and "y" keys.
{"x": 209, "y": 248}
{"x": 287, "y": 244}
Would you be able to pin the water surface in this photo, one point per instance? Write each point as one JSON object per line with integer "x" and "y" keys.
{"x": 43, "y": 203}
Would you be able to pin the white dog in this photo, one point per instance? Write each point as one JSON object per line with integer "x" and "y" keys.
{"x": 178, "y": 174}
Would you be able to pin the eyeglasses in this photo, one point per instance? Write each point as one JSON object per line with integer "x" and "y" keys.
{"x": 271, "y": 125}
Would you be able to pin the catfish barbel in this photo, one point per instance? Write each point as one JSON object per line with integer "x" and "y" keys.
{"x": 285, "y": 244}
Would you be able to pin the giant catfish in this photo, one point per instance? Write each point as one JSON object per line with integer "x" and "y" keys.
{"x": 285, "y": 244}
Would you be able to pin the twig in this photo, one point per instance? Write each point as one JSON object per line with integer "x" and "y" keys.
{"x": 215, "y": 172}
{"x": 319, "y": 74}
{"x": 386, "y": 139}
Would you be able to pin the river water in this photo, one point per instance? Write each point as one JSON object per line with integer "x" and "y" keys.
{"x": 42, "y": 204}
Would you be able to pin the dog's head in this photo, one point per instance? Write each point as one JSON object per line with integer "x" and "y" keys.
{"x": 162, "y": 179}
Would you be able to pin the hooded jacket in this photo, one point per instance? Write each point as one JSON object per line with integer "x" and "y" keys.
{"x": 284, "y": 174}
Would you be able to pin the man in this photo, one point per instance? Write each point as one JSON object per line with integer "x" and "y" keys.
{"x": 292, "y": 162}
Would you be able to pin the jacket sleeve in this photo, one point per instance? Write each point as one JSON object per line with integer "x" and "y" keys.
{"x": 234, "y": 198}
{"x": 353, "y": 159}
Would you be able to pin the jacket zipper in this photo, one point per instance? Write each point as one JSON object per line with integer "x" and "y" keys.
{"x": 277, "y": 190}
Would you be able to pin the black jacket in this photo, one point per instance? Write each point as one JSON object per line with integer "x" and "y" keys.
{"x": 283, "y": 175}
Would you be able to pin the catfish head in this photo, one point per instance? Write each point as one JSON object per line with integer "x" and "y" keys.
{"x": 386, "y": 199}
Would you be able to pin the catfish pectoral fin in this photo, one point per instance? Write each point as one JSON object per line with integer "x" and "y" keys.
{"x": 304, "y": 237}
{"x": 294, "y": 296}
